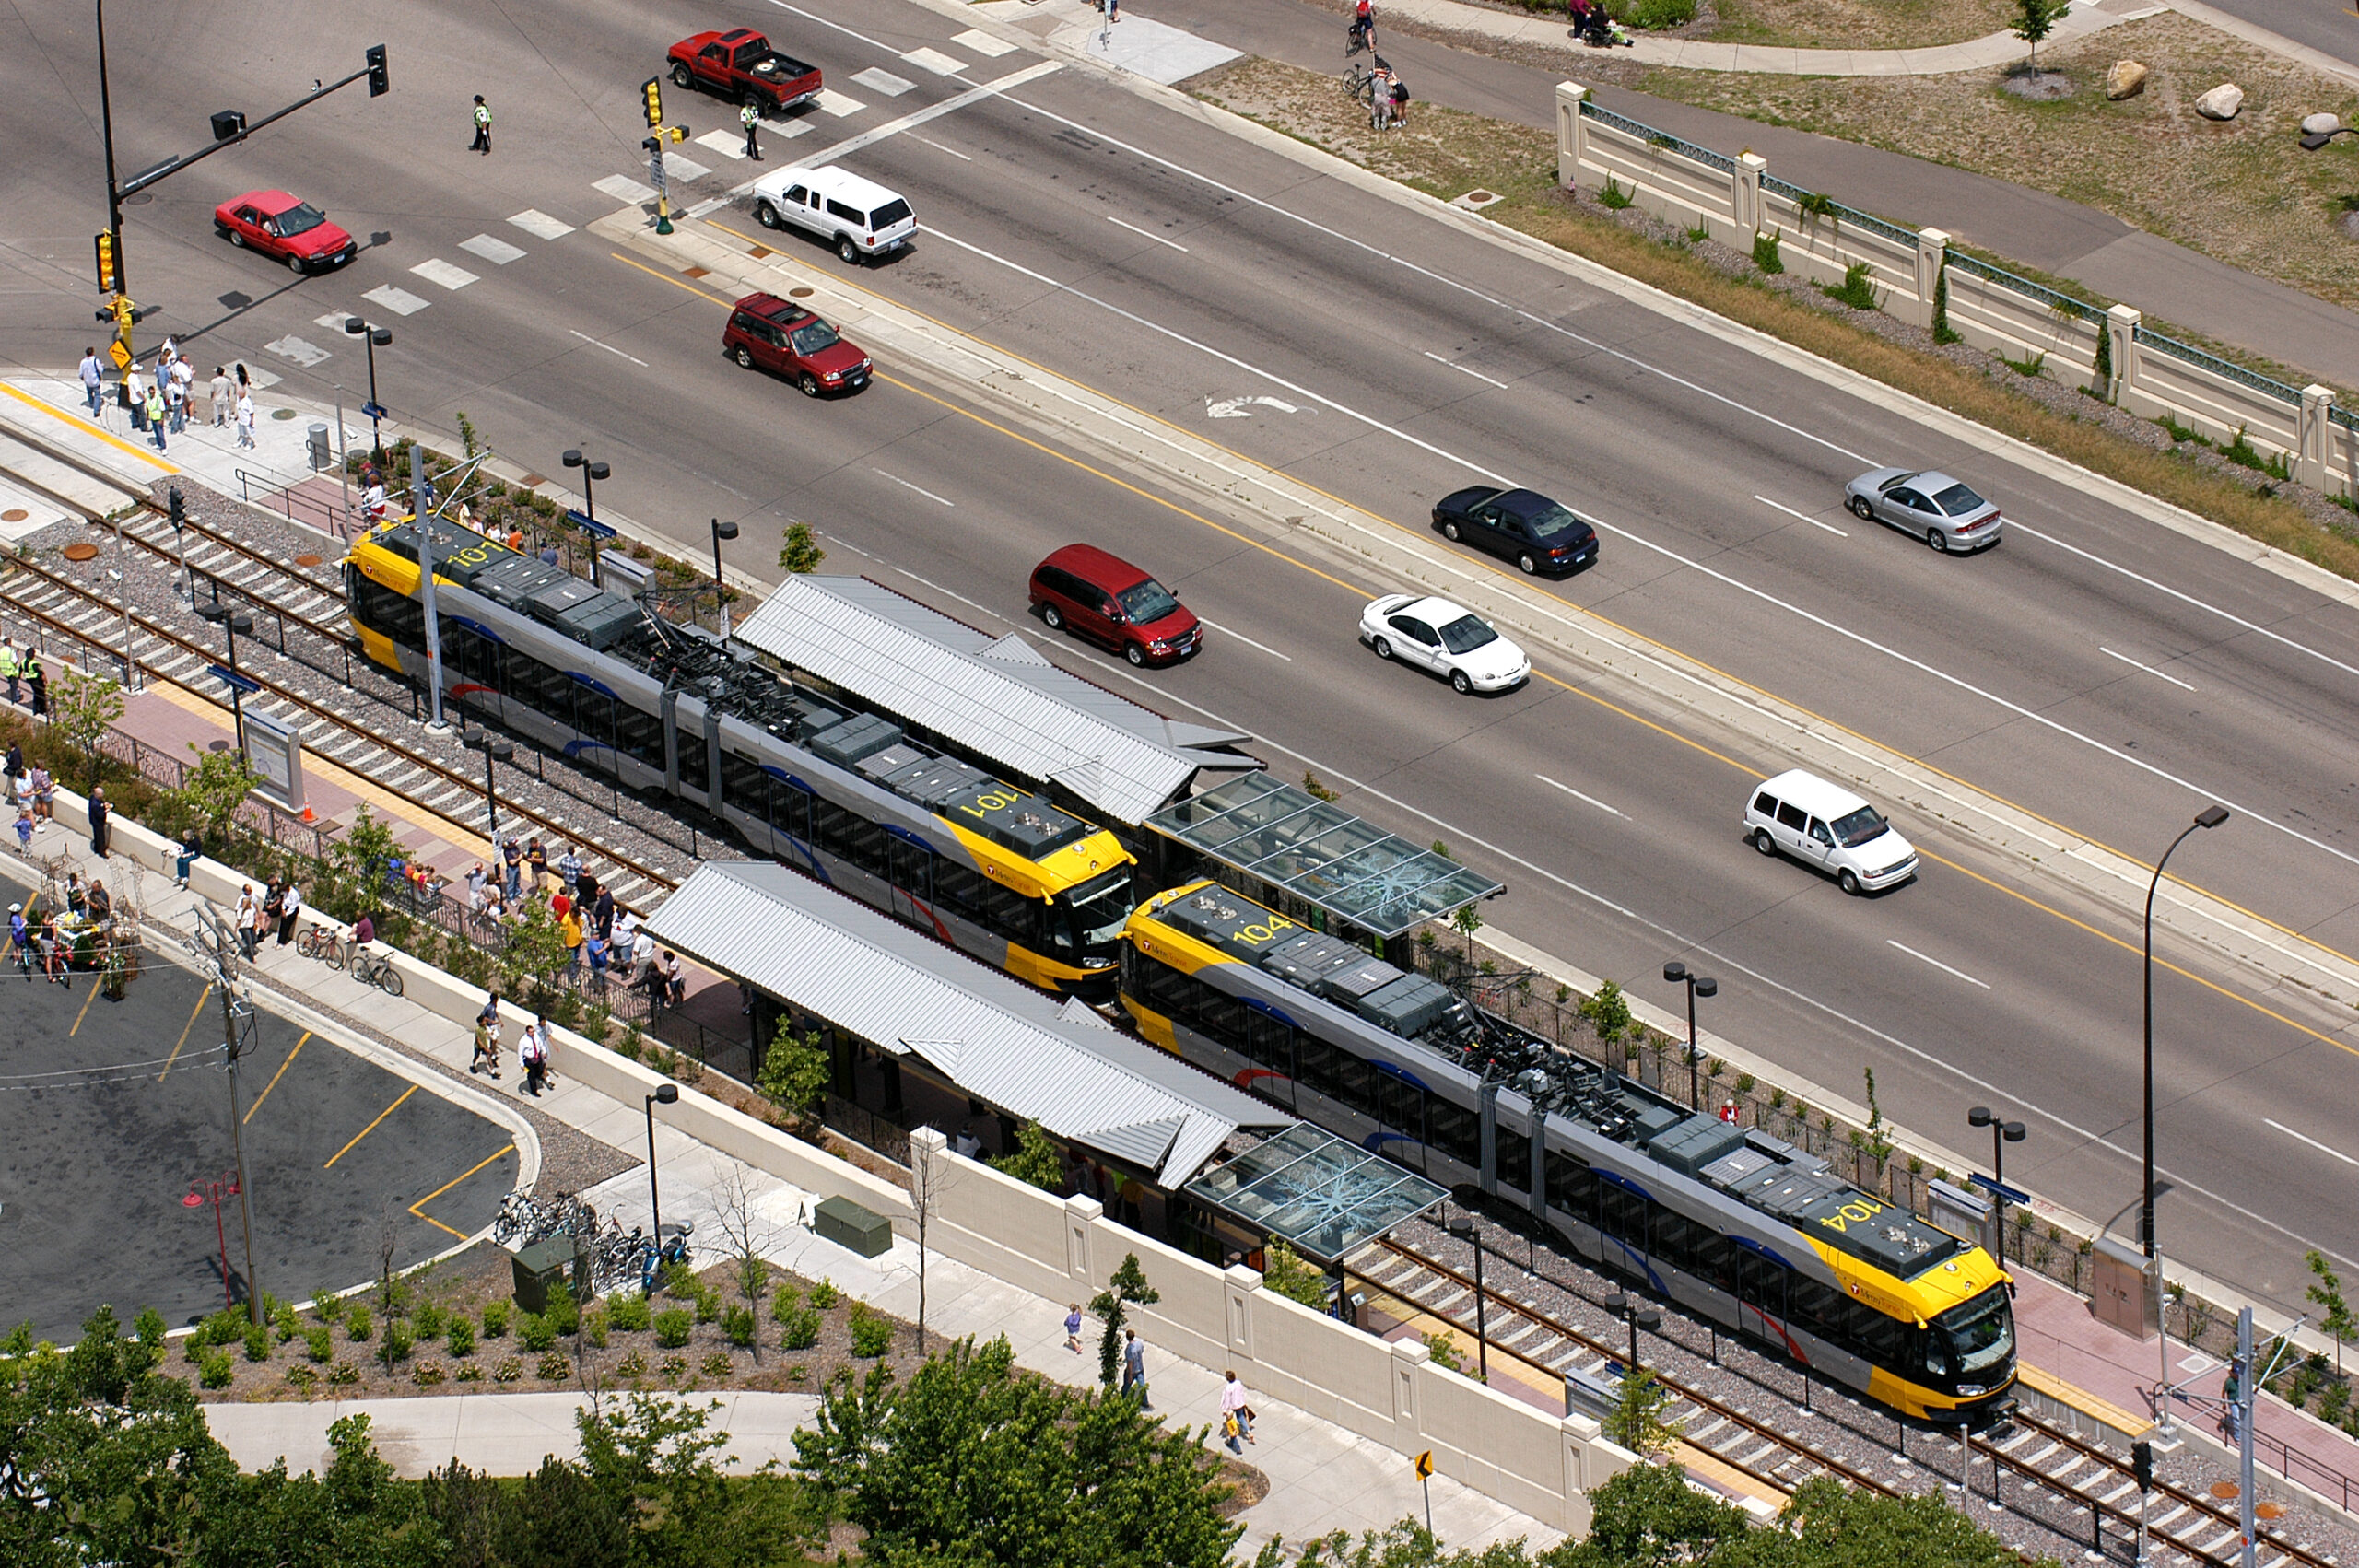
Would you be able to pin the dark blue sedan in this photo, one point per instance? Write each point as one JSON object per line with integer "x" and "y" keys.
{"x": 1525, "y": 526}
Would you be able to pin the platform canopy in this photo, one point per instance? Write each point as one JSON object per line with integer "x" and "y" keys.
{"x": 1322, "y": 1196}
{"x": 1352, "y": 869}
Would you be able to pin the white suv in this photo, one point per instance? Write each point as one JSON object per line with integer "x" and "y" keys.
{"x": 1825, "y": 825}
{"x": 860, "y": 218}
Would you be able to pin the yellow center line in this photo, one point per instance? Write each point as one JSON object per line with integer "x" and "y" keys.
{"x": 679, "y": 282}
{"x": 418, "y": 1208}
{"x": 83, "y": 427}
{"x": 365, "y": 1131}
{"x": 184, "y": 1029}
{"x": 2159, "y": 963}
{"x": 274, "y": 1078}
{"x": 86, "y": 1004}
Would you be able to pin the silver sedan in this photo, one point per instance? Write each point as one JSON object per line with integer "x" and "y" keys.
{"x": 1942, "y": 512}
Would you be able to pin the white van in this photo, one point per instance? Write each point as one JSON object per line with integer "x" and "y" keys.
{"x": 859, "y": 218}
{"x": 1825, "y": 825}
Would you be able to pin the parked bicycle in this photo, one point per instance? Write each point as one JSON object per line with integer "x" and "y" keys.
{"x": 1359, "y": 81}
{"x": 322, "y": 943}
{"x": 376, "y": 969}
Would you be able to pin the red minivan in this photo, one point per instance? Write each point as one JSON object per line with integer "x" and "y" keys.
{"x": 1106, "y": 599}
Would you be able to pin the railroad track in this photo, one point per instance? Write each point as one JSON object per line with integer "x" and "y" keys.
{"x": 2070, "y": 1487}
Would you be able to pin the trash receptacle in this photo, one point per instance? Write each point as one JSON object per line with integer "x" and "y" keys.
{"x": 317, "y": 437}
{"x": 537, "y": 1267}
{"x": 846, "y": 1223}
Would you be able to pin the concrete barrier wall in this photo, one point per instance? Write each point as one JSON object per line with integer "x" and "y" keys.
{"x": 2212, "y": 405}
{"x": 1990, "y": 315}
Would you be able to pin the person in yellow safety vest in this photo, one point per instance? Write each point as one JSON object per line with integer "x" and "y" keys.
{"x": 751, "y": 118}
{"x": 9, "y": 666}
{"x": 482, "y": 143}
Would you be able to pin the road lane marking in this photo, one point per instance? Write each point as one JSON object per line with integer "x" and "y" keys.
{"x": 400, "y": 302}
{"x": 939, "y": 147}
{"x": 885, "y": 84}
{"x": 843, "y": 106}
{"x": 1144, "y": 235}
{"x": 498, "y": 252}
{"x": 418, "y": 1208}
{"x": 728, "y": 144}
{"x": 935, "y": 60}
{"x": 623, "y": 188}
{"x": 193, "y": 1012}
{"x": 540, "y": 225}
{"x": 608, "y": 348}
{"x": 2148, "y": 668}
{"x": 1937, "y": 963}
{"x": 94, "y": 988}
{"x": 436, "y": 271}
{"x": 2311, "y": 1141}
{"x": 1804, "y": 516}
{"x": 1575, "y": 794}
{"x": 907, "y": 485}
{"x": 1247, "y": 640}
{"x": 1456, "y": 365}
{"x": 274, "y": 1078}
{"x": 668, "y": 277}
{"x": 983, "y": 43}
{"x": 365, "y": 1131}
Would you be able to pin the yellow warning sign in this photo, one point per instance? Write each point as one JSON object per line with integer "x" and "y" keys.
{"x": 1426, "y": 1464}
{"x": 121, "y": 352}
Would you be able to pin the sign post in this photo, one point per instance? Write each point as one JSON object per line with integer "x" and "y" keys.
{"x": 1426, "y": 1480}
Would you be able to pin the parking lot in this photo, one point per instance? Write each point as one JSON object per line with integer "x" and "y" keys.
{"x": 114, "y": 1113}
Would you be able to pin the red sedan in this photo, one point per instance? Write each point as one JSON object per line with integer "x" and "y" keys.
{"x": 285, "y": 229}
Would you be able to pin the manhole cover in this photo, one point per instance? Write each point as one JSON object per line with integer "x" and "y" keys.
{"x": 2225, "y": 1489}
{"x": 798, "y": 293}
{"x": 141, "y": 200}
{"x": 82, "y": 552}
{"x": 15, "y": 514}
{"x": 282, "y": 414}
{"x": 697, "y": 272}
{"x": 217, "y": 745}
{"x": 307, "y": 560}
{"x": 2268, "y": 1511}
{"x": 758, "y": 252}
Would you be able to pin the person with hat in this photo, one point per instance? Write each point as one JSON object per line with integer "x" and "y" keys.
{"x": 20, "y": 941}
{"x": 482, "y": 143}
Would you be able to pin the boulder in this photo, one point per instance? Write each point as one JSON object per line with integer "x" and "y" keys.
{"x": 2222, "y": 102}
{"x": 2126, "y": 78}
{"x": 2321, "y": 124}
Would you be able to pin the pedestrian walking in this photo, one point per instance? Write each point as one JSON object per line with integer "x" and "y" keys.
{"x": 179, "y": 392}
{"x": 482, "y": 143}
{"x": 44, "y": 788}
{"x": 1237, "y": 1415}
{"x": 154, "y": 407}
{"x": 25, "y": 825}
{"x": 99, "y": 810}
{"x": 93, "y": 380}
{"x": 220, "y": 398}
{"x": 1134, "y": 1366}
{"x": 675, "y": 984}
{"x": 568, "y": 925}
{"x": 535, "y": 1054}
{"x": 241, "y": 920}
{"x": 2230, "y": 1407}
{"x": 11, "y": 664}
{"x": 20, "y": 941}
{"x": 751, "y": 118}
{"x": 1073, "y": 1327}
{"x": 135, "y": 396}
{"x": 245, "y": 420}
{"x": 12, "y": 767}
{"x": 487, "y": 1057}
{"x": 289, "y": 910}
{"x": 53, "y": 952}
{"x": 191, "y": 847}
{"x": 642, "y": 956}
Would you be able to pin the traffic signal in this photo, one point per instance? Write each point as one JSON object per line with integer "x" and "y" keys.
{"x": 126, "y": 313}
{"x": 677, "y": 133}
{"x": 2141, "y": 1465}
{"x": 107, "y": 276}
{"x": 652, "y": 91}
{"x": 177, "y": 506}
{"x": 380, "y": 83}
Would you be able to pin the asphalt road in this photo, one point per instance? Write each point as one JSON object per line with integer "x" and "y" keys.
{"x": 2095, "y": 669}
{"x": 111, "y": 1113}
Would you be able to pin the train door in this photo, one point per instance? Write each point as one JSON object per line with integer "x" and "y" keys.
{"x": 1269, "y": 1044}
{"x": 1400, "y": 1107}
{"x": 1761, "y": 1292}
{"x": 911, "y": 866}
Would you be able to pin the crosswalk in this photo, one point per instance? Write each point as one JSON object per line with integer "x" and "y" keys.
{"x": 875, "y": 84}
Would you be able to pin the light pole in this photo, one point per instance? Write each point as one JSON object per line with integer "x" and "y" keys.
{"x": 721, "y": 530}
{"x": 2001, "y": 1134}
{"x": 1639, "y": 1316}
{"x": 1464, "y": 1231}
{"x": 590, "y": 474}
{"x": 665, "y": 1094}
{"x": 1697, "y": 985}
{"x": 2209, "y": 817}
{"x": 376, "y": 339}
{"x": 231, "y": 621}
{"x": 495, "y": 748}
{"x": 215, "y": 1192}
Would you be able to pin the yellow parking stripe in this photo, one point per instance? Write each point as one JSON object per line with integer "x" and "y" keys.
{"x": 274, "y": 1078}
{"x": 418, "y": 1208}
{"x": 184, "y": 1029}
{"x": 365, "y": 1131}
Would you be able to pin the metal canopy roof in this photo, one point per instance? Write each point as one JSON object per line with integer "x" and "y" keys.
{"x": 1059, "y": 1065}
{"x": 1318, "y": 1194}
{"x": 1322, "y": 854}
{"x": 995, "y": 695}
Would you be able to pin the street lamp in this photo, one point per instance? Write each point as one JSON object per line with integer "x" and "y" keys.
{"x": 495, "y": 748}
{"x": 1697, "y": 985}
{"x": 232, "y": 621}
{"x": 376, "y": 339}
{"x": 665, "y": 1094}
{"x": 2210, "y": 816}
{"x": 2001, "y": 1134}
{"x": 1464, "y": 1231}
{"x": 1639, "y": 1316}
{"x": 590, "y": 474}
{"x": 721, "y": 530}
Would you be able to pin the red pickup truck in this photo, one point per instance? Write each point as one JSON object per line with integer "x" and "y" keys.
{"x": 742, "y": 66}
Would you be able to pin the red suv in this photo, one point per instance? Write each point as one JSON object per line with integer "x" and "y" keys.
{"x": 1105, "y": 598}
{"x": 771, "y": 333}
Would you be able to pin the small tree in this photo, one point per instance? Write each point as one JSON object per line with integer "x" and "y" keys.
{"x": 1285, "y": 1271}
{"x": 2327, "y": 1293}
{"x": 1035, "y": 1158}
{"x": 746, "y": 1236}
{"x": 81, "y": 712}
{"x": 536, "y": 951}
{"x": 1466, "y": 920}
{"x": 1127, "y": 1288}
{"x": 353, "y": 875}
{"x": 1879, "y": 1139}
{"x": 210, "y": 794}
{"x": 1635, "y": 1420}
{"x": 796, "y": 1072}
{"x": 2034, "y": 19}
{"x": 1608, "y": 1013}
{"x": 801, "y": 552}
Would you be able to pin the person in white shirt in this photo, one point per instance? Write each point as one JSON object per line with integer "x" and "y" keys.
{"x": 246, "y": 421}
{"x": 93, "y": 375}
{"x": 289, "y": 909}
{"x": 219, "y": 395}
{"x": 243, "y": 918}
{"x": 184, "y": 392}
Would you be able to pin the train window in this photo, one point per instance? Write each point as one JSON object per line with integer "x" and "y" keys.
{"x": 865, "y": 846}
{"x": 1512, "y": 1161}
{"x": 789, "y": 810}
{"x": 1401, "y": 1106}
{"x": 1009, "y": 914}
{"x": 696, "y": 762}
{"x": 1454, "y": 1130}
{"x": 830, "y": 825}
{"x": 1815, "y": 1305}
{"x": 1270, "y": 1042}
{"x": 541, "y": 686}
{"x": 744, "y": 785}
{"x": 1354, "y": 1083}
{"x": 1673, "y": 1236}
{"x": 1220, "y": 1016}
{"x": 1761, "y": 1283}
{"x": 1160, "y": 985}
{"x": 1620, "y": 1212}
{"x": 640, "y": 735}
{"x": 1572, "y": 1186}
{"x": 1314, "y": 1061}
{"x": 1883, "y": 1340}
{"x": 1712, "y": 1259}
{"x": 593, "y": 719}
{"x": 959, "y": 887}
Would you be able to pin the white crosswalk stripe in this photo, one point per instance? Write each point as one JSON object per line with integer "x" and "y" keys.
{"x": 623, "y": 188}
{"x": 400, "y": 302}
{"x": 884, "y": 84}
{"x": 436, "y": 270}
{"x": 935, "y": 60}
{"x": 830, "y": 101}
{"x": 291, "y": 347}
{"x": 728, "y": 144}
{"x": 983, "y": 43}
{"x": 540, "y": 225}
{"x": 498, "y": 252}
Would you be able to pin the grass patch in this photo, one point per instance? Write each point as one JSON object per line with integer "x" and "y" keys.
{"x": 1857, "y": 24}
{"x": 1448, "y": 152}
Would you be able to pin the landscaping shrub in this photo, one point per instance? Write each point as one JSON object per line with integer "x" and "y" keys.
{"x": 629, "y": 1313}
{"x": 462, "y": 1340}
{"x": 801, "y": 1328}
{"x": 356, "y": 1324}
{"x": 213, "y": 1370}
{"x": 536, "y": 1333}
{"x": 672, "y": 1327}
{"x": 871, "y": 1337}
{"x": 494, "y": 1319}
{"x": 739, "y": 1324}
{"x": 320, "y": 1343}
{"x": 429, "y": 1321}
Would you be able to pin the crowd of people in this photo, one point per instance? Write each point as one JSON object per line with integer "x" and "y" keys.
{"x": 159, "y": 396}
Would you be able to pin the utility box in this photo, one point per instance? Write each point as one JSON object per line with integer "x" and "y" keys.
{"x": 1590, "y": 1394}
{"x": 315, "y": 438}
{"x": 2125, "y": 1289}
{"x": 1963, "y": 1212}
{"x": 846, "y": 1223}
{"x": 537, "y": 1267}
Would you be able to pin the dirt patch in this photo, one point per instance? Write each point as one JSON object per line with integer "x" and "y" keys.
{"x": 1856, "y": 23}
{"x": 2037, "y": 87}
{"x": 2242, "y": 192}
{"x": 1247, "y": 1486}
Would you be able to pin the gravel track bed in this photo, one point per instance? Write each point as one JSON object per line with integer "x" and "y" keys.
{"x": 1864, "y": 1436}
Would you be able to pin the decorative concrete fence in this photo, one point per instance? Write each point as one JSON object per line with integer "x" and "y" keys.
{"x": 1737, "y": 200}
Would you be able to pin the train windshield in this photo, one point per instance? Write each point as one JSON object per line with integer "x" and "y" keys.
{"x": 1097, "y": 909}
{"x": 1981, "y": 1334}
